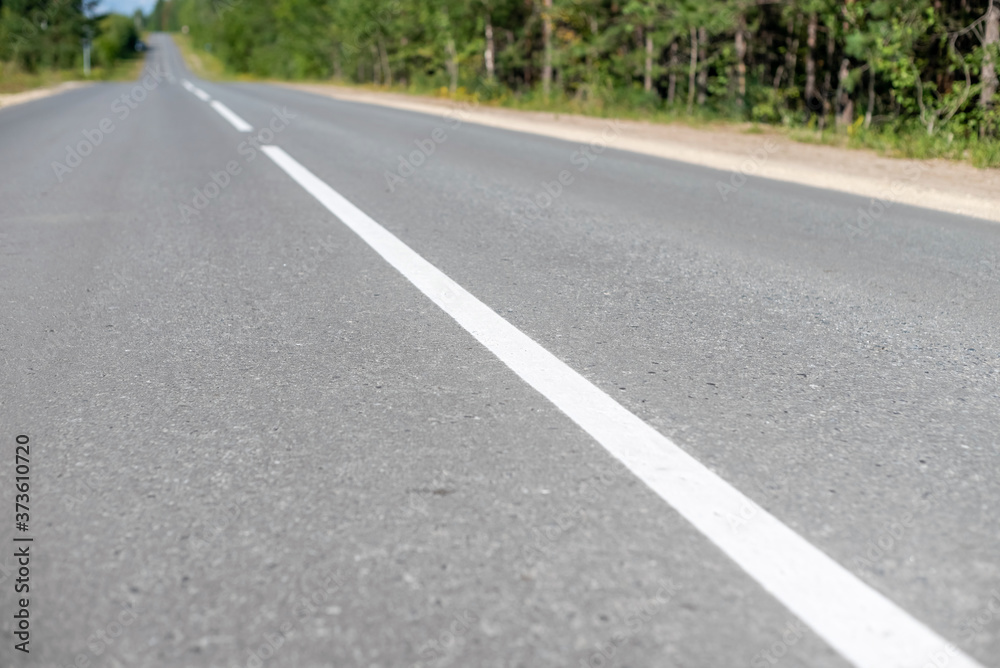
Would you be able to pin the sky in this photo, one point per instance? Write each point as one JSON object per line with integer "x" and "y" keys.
{"x": 126, "y": 7}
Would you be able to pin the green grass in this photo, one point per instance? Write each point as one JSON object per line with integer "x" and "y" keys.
{"x": 13, "y": 79}
{"x": 204, "y": 64}
{"x": 913, "y": 143}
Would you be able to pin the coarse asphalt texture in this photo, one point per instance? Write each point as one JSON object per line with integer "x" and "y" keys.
{"x": 255, "y": 443}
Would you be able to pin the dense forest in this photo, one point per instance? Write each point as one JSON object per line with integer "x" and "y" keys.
{"x": 928, "y": 63}
{"x": 922, "y": 71}
{"x": 40, "y": 34}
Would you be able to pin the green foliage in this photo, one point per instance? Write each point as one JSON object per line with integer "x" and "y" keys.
{"x": 42, "y": 33}
{"x": 878, "y": 70}
{"x": 888, "y": 69}
{"x": 116, "y": 39}
{"x": 48, "y": 35}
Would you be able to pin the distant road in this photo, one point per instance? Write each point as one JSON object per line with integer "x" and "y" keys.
{"x": 318, "y": 383}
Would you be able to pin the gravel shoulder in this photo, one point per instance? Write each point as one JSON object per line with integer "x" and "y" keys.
{"x": 934, "y": 184}
{"x": 10, "y": 99}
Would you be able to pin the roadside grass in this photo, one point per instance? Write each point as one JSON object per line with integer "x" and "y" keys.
{"x": 126, "y": 69}
{"x": 13, "y": 79}
{"x": 204, "y": 64}
{"x": 911, "y": 142}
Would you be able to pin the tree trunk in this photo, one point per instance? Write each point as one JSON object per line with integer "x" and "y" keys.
{"x": 869, "y": 112}
{"x": 488, "y": 56}
{"x": 647, "y": 80}
{"x": 376, "y": 67}
{"x": 810, "y": 91}
{"x": 703, "y": 71}
{"x": 547, "y": 38}
{"x": 589, "y": 90}
{"x": 831, "y": 48}
{"x": 791, "y": 52}
{"x": 989, "y": 73}
{"x": 692, "y": 69}
{"x": 845, "y": 105}
{"x": 338, "y": 70}
{"x": 741, "y": 60}
{"x": 672, "y": 80}
{"x": 452, "y": 65}
{"x": 386, "y": 69}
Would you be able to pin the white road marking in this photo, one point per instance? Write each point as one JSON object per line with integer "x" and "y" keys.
{"x": 230, "y": 116}
{"x": 199, "y": 93}
{"x": 865, "y": 627}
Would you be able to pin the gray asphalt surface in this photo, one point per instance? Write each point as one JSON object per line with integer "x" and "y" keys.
{"x": 233, "y": 411}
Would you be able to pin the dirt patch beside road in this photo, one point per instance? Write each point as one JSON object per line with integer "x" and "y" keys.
{"x": 10, "y": 99}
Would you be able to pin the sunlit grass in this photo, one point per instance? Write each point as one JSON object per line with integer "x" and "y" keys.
{"x": 13, "y": 79}
{"x": 201, "y": 62}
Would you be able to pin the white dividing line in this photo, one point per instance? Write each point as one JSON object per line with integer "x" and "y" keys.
{"x": 868, "y": 629}
{"x": 199, "y": 93}
{"x": 222, "y": 109}
{"x": 230, "y": 116}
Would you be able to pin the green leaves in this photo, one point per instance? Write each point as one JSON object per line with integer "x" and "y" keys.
{"x": 904, "y": 62}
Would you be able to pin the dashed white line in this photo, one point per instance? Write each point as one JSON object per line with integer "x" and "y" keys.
{"x": 861, "y": 624}
{"x": 222, "y": 109}
{"x": 230, "y": 116}
{"x": 197, "y": 92}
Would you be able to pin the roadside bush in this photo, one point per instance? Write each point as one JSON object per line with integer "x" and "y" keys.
{"x": 116, "y": 39}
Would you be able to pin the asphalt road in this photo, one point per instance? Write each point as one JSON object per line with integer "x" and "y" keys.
{"x": 254, "y": 442}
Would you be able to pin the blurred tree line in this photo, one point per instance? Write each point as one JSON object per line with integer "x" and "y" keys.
{"x": 49, "y": 34}
{"x": 920, "y": 65}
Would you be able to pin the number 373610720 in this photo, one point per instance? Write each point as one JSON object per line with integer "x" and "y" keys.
{"x": 23, "y": 483}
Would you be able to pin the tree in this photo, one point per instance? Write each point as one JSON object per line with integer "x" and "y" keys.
{"x": 913, "y": 65}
